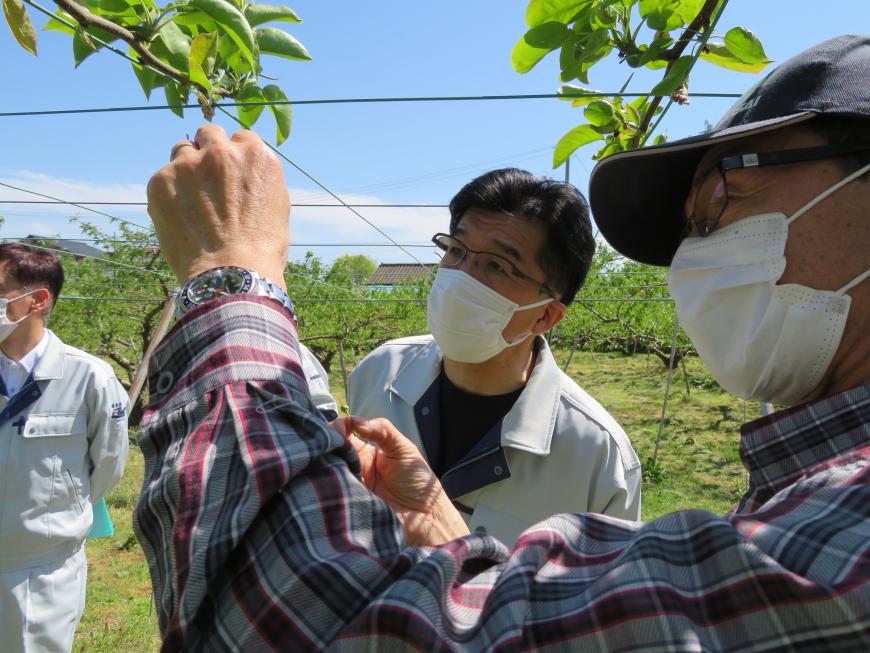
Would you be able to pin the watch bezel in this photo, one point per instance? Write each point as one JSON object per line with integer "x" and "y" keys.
{"x": 188, "y": 294}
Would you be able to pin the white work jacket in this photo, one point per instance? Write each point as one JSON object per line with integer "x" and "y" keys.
{"x": 557, "y": 449}
{"x": 63, "y": 445}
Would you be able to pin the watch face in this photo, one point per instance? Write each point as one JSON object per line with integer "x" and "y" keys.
{"x": 214, "y": 283}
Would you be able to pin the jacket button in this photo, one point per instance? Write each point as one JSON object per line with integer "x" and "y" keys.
{"x": 480, "y": 530}
{"x": 497, "y": 470}
{"x": 164, "y": 381}
{"x": 425, "y": 410}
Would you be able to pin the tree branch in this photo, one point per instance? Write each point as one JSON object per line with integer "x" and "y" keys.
{"x": 701, "y": 21}
{"x": 85, "y": 18}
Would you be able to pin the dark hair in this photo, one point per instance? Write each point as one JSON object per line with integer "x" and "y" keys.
{"x": 844, "y": 130}
{"x": 32, "y": 268}
{"x": 569, "y": 246}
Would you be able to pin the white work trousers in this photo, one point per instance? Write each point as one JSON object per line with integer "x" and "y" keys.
{"x": 40, "y": 607}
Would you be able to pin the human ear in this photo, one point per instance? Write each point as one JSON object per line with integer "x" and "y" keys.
{"x": 554, "y": 312}
{"x": 41, "y": 299}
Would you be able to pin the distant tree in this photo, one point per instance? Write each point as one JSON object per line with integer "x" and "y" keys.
{"x": 351, "y": 270}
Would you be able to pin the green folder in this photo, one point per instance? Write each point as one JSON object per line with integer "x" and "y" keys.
{"x": 102, "y": 522}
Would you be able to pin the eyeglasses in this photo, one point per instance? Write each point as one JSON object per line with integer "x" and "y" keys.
{"x": 498, "y": 272}
{"x": 711, "y": 198}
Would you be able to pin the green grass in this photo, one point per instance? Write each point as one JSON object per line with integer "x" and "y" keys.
{"x": 698, "y": 466}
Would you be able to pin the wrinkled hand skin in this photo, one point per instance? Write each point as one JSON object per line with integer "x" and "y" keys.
{"x": 395, "y": 470}
{"x": 222, "y": 201}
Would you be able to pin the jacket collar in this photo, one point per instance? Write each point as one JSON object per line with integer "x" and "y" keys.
{"x": 528, "y": 426}
{"x": 50, "y": 366}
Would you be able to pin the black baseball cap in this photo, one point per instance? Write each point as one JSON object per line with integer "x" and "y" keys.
{"x": 637, "y": 196}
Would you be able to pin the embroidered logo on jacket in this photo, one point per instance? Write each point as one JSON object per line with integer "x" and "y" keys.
{"x": 119, "y": 410}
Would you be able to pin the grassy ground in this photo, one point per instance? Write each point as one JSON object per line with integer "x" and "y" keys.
{"x": 698, "y": 466}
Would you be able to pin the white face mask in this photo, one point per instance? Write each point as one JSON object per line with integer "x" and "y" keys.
{"x": 760, "y": 340}
{"x": 7, "y": 326}
{"x": 467, "y": 317}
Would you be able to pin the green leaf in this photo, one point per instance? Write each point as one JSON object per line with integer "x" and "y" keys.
{"x": 719, "y": 55}
{"x": 524, "y": 57}
{"x": 282, "y": 112}
{"x": 744, "y": 45}
{"x": 259, "y": 14}
{"x": 148, "y": 79}
{"x": 654, "y": 49}
{"x": 570, "y": 142}
{"x": 570, "y": 89}
{"x": 279, "y": 43}
{"x": 604, "y": 16}
{"x": 84, "y": 46}
{"x": 600, "y": 113}
{"x": 547, "y": 35}
{"x": 569, "y": 62}
{"x": 674, "y": 77}
{"x": 251, "y": 92}
{"x": 19, "y": 23}
{"x": 176, "y": 97}
{"x": 661, "y": 15}
{"x": 689, "y": 9}
{"x": 55, "y": 25}
{"x": 203, "y": 53}
{"x": 113, "y": 9}
{"x": 197, "y": 22}
{"x": 172, "y": 46}
{"x": 233, "y": 23}
{"x": 542, "y": 11}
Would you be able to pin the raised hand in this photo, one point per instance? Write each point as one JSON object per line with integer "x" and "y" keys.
{"x": 220, "y": 202}
{"x": 395, "y": 470}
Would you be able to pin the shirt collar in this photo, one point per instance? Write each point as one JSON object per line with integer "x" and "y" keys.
{"x": 31, "y": 358}
{"x": 529, "y": 425}
{"x": 778, "y": 448}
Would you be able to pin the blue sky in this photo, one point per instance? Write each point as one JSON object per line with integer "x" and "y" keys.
{"x": 369, "y": 153}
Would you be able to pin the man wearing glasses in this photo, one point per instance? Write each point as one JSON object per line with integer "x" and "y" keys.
{"x": 511, "y": 438}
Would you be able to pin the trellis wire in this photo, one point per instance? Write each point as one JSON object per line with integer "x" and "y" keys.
{"x": 80, "y": 206}
{"x": 374, "y": 100}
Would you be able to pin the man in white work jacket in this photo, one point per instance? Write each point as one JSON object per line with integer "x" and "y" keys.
{"x": 63, "y": 446}
{"x": 511, "y": 437}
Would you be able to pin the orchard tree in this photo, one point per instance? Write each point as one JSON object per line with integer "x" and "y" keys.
{"x": 209, "y": 48}
{"x": 668, "y": 35}
{"x": 352, "y": 270}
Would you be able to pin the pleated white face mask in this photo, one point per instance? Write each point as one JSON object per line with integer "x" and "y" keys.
{"x": 467, "y": 318}
{"x": 760, "y": 340}
{"x": 7, "y": 326}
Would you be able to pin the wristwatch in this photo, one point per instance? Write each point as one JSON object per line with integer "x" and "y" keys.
{"x": 227, "y": 280}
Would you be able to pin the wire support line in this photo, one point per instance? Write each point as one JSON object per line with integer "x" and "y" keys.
{"x": 295, "y": 204}
{"x": 327, "y": 190}
{"x": 300, "y": 102}
{"x": 77, "y": 205}
{"x": 325, "y": 284}
{"x": 106, "y": 261}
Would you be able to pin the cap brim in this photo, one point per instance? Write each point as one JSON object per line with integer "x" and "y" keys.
{"x": 637, "y": 196}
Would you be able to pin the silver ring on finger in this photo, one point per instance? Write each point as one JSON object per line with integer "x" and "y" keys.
{"x": 178, "y": 146}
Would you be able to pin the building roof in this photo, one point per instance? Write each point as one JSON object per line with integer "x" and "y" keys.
{"x": 74, "y": 247}
{"x": 390, "y": 274}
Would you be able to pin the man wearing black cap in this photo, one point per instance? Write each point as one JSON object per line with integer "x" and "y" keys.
{"x": 260, "y": 534}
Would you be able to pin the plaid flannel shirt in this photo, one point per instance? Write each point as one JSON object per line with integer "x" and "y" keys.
{"x": 260, "y": 536}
